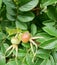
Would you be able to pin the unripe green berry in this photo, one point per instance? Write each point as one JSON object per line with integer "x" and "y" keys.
{"x": 14, "y": 40}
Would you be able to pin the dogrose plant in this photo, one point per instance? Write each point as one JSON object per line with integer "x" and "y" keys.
{"x": 28, "y": 32}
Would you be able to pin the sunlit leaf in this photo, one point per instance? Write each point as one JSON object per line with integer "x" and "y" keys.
{"x": 29, "y": 6}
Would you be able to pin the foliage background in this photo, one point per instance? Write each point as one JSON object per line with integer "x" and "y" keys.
{"x": 39, "y": 17}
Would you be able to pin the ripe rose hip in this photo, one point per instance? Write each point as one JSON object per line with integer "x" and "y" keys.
{"x": 25, "y": 37}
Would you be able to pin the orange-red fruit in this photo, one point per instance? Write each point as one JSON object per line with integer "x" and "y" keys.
{"x": 25, "y": 37}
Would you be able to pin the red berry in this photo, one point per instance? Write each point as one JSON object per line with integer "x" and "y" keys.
{"x": 25, "y": 37}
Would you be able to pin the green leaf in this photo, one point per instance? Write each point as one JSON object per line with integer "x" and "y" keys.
{"x": 12, "y": 31}
{"x": 33, "y": 29}
{"x": 10, "y": 17}
{"x": 29, "y": 60}
{"x": 56, "y": 63}
{"x": 49, "y": 44}
{"x": 29, "y": 6}
{"x": 44, "y": 54}
{"x": 2, "y": 59}
{"x": 26, "y": 45}
{"x": 2, "y": 36}
{"x": 24, "y": 63}
{"x": 21, "y": 25}
{"x": 44, "y": 35}
{"x": 52, "y": 13}
{"x": 9, "y": 3}
{"x": 47, "y": 2}
{"x": 50, "y": 30}
{"x": 54, "y": 56}
{"x": 0, "y": 4}
{"x": 26, "y": 17}
{"x": 11, "y": 63}
{"x": 48, "y": 22}
{"x": 22, "y": 2}
{"x": 14, "y": 62}
{"x": 52, "y": 60}
{"x": 38, "y": 61}
{"x": 4, "y": 47}
{"x": 10, "y": 11}
{"x": 46, "y": 62}
{"x": 21, "y": 53}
